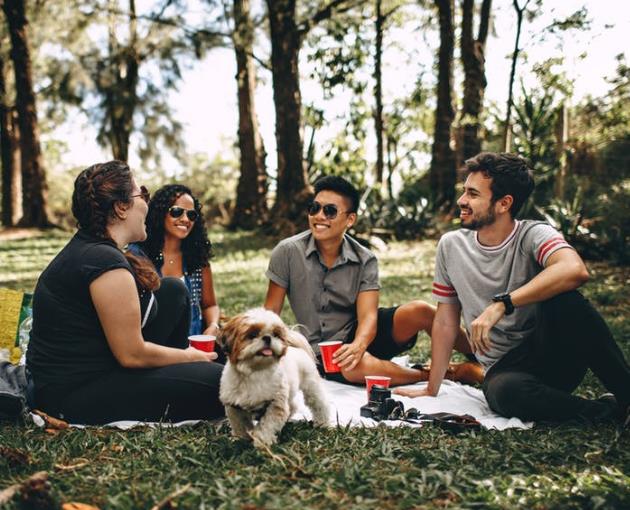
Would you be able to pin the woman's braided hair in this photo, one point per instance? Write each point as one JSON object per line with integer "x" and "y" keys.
{"x": 96, "y": 190}
{"x": 196, "y": 247}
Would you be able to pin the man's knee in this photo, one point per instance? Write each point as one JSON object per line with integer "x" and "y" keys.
{"x": 507, "y": 392}
{"x": 570, "y": 302}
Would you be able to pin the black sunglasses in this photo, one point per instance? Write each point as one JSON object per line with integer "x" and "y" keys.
{"x": 176, "y": 211}
{"x": 330, "y": 210}
{"x": 144, "y": 194}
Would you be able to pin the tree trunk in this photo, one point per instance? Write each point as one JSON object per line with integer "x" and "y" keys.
{"x": 442, "y": 171}
{"x": 378, "y": 95}
{"x": 562, "y": 137}
{"x": 251, "y": 193}
{"x": 122, "y": 99}
{"x": 34, "y": 186}
{"x": 507, "y": 131}
{"x": 473, "y": 59}
{"x": 292, "y": 190}
{"x": 10, "y": 155}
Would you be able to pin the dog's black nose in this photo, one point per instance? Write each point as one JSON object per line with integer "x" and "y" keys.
{"x": 266, "y": 339}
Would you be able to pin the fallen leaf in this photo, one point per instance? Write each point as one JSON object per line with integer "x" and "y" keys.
{"x": 78, "y": 506}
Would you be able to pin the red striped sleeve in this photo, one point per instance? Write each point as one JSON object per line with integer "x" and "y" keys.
{"x": 549, "y": 245}
{"x": 444, "y": 290}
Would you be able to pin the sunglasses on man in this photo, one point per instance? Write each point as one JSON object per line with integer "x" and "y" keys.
{"x": 176, "y": 212}
{"x": 144, "y": 194}
{"x": 330, "y": 210}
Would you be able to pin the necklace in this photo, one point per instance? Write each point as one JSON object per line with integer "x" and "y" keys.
{"x": 169, "y": 261}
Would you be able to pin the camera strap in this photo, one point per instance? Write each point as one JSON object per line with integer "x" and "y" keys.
{"x": 446, "y": 421}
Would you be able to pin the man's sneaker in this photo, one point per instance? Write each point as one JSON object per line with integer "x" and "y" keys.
{"x": 613, "y": 410}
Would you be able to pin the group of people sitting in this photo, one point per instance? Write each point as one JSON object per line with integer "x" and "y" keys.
{"x": 113, "y": 310}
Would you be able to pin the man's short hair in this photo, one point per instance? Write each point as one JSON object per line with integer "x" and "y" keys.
{"x": 510, "y": 174}
{"x": 341, "y": 186}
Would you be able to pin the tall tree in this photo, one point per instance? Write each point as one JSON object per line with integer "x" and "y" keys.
{"x": 251, "y": 193}
{"x": 378, "y": 92}
{"x": 287, "y": 34}
{"x": 34, "y": 187}
{"x": 119, "y": 81}
{"x": 125, "y": 61}
{"x": 473, "y": 59}
{"x": 10, "y": 155}
{"x": 442, "y": 171}
{"x": 507, "y": 142}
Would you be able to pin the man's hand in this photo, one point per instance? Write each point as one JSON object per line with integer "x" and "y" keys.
{"x": 481, "y": 326}
{"x": 415, "y": 392}
{"x": 349, "y": 355}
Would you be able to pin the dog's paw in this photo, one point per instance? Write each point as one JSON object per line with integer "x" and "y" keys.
{"x": 321, "y": 421}
{"x": 241, "y": 434}
{"x": 262, "y": 439}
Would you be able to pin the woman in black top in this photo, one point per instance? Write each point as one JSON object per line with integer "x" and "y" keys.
{"x": 106, "y": 343}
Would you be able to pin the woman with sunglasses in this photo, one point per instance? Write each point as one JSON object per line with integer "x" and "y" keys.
{"x": 101, "y": 350}
{"x": 177, "y": 244}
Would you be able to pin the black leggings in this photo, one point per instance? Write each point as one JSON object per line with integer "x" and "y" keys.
{"x": 185, "y": 391}
{"x": 535, "y": 380}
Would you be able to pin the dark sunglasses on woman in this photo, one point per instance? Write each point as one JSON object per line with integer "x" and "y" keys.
{"x": 176, "y": 211}
{"x": 144, "y": 194}
{"x": 330, "y": 210}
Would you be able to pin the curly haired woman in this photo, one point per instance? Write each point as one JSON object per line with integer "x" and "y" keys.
{"x": 100, "y": 348}
{"x": 177, "y": 244}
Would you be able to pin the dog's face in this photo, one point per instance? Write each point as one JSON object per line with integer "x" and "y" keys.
{"x": 254, "y": 339}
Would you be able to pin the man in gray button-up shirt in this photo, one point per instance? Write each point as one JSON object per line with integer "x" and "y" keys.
{"x": 332, "y": 285}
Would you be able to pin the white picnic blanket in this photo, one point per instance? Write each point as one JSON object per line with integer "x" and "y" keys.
{"x": 455, "y": 398}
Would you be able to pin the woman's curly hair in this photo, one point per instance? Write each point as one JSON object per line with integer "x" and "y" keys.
{"x": 96, "y": 190}
{"x": 196, "y": 247}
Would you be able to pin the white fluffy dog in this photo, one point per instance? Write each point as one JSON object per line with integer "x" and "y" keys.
{"x": 267, "y": 364}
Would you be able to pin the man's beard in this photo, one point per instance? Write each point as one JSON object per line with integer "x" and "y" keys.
{"x": 482, "y": 221}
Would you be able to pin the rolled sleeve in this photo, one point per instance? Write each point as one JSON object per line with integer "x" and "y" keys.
{"x": 369, "y": 276}
{"x": 278, "y": 270}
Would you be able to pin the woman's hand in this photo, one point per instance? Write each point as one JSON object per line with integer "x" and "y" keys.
{"x": 212, "y": 329}
{"x": 197, "y": 355}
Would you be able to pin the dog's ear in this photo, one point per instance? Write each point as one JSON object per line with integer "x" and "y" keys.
{"x": 226, "y": 336}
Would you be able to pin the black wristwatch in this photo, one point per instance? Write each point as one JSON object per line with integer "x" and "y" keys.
{"x": 506, "y": 300}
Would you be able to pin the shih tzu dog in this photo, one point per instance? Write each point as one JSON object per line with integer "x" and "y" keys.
{"x": 267, "y": 364}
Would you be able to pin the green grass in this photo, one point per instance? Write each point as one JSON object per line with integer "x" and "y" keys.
{"x": 549, "y": 467}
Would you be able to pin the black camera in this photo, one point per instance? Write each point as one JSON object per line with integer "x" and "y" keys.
{"x": 381, "y": 405}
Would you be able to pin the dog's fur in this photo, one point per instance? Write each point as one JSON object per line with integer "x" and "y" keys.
{"x": 267, "y": 364}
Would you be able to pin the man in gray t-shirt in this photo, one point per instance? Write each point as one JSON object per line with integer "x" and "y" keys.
{"x": 332, "y": 285}
{"x": 515, "y": 284}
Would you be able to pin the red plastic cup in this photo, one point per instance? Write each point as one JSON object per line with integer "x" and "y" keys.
{"x": 327, "y": 350}
{"x": 371, "y": 380}
{"x": 203, "y": 343}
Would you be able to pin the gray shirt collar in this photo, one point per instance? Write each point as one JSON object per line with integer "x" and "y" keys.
{"x": 347, "y": 254}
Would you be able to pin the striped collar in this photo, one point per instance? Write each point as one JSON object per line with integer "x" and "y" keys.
{"x": 505, "y": 242}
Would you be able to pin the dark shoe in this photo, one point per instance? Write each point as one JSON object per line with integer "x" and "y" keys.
{"x": 609, "y": 410}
